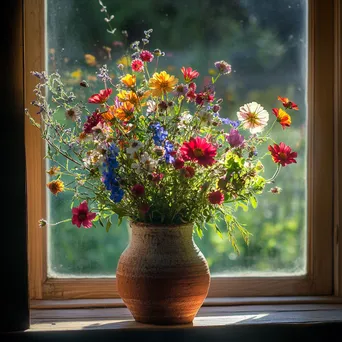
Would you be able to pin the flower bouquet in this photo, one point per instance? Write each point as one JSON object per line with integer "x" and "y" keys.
{"x": 156, "y": 148}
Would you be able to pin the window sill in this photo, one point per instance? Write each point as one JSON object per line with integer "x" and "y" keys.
{"x": 268, "y": 322}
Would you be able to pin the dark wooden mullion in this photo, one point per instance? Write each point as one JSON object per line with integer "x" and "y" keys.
{"x": 14, "y": 275}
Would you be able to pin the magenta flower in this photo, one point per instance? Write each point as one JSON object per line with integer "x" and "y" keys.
{"x": 146, "y": 56}
{"x": 82, "y": 216}
{"x": 234, "y": 138}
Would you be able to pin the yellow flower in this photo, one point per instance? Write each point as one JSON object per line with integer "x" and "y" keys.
{"x": 124, "y": 60}
{"x": 162, "y": 83}
{"x": 129, "y": 80}
{"x": 77, "y": 74}
{"x": 123, "y": 113}
{"x": 90, "y": 59}
{"x": 56, "y": 186}
{"x": 54, "y": 170}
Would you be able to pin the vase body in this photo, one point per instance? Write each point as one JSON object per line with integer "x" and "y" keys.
{"x": 162, "y": 276}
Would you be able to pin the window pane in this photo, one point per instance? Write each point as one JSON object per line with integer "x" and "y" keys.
{"x": 266, "y": 43}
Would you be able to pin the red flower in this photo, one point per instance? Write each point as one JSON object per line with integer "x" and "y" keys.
{"x": 287, "y": 103}
{"x": 187, "y": 172}
{"x": 146, "y": 56}
{"x": 282, "y": 117}
{"x": 138, "y": 190}
{"x": 189, "y": 74}
{"x": 204, "y": 96}
{"x": 92, "y": 121}
{"x": 216, "y": 197}
{"x": 198, "y": 149}
{"x": 137, "y": 65}
{"x": 178, "y": 163}
{"x": 192, "y": 91}
{"x": 157, "y": 177}
{"x": 282, "y": 154}
{"x": 101, "y": 97}
{"x": 82, "y": 216}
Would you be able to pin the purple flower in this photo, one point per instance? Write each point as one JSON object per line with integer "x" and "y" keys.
{"x": 234, "y": 138}
{"x": 181, "y": 89}
{"x": 227, "y": 121}
{"x": 223, "y": 67}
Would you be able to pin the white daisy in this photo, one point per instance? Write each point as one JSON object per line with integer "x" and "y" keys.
{"x": 133, "y": 148}
{"x": 253, "y": 117}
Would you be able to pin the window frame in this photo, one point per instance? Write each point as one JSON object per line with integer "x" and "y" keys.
{"x": 324, "y": 260}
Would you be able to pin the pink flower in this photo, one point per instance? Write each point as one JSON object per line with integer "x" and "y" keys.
{"x": 146, "y": 56}
{"x": 216, "y": 197}
{"x": 101, "y": 97}
{"x": 137, "y": 65}
{"x": 178, "y": 163}
{"x": 189, "y": 74}
{"x": 82, "y": 216}
{"x": 138, "y": 190}
{"x": 198, "y": 149}
{"x": 234, "y": 138}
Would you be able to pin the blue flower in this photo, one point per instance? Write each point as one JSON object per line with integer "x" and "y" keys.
{"x": 227, "y": 121}
{"x": 110, "y": 178}
{"x": 117, "y": 194}
{"x": 168, "y": 150}
{"x": 160, "y": 134}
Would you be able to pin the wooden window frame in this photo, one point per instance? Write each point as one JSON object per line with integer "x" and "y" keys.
{"x": 324, "y": 261}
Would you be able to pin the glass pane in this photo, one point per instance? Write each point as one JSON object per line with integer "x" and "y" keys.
{"x": 266, "y": 44}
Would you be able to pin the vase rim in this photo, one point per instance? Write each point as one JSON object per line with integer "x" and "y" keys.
{"x": 159, "y": 225}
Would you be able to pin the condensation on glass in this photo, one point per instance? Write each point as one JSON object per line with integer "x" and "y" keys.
{"x": 266, "y": 43}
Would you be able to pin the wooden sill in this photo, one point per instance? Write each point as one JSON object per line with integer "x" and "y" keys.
{"x": 226, "y": 301}
{"x": 120, "y": 319}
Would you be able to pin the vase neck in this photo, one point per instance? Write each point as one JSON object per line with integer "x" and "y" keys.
{"x": 161, "y": 235}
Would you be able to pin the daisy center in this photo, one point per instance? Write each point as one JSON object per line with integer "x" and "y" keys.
{"x": 282, "y": 156}
{"x": 198, "y": 152}
{"x": 252, "y": 118}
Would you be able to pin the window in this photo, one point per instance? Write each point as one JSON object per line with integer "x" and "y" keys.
{"x": 306, "y": 267}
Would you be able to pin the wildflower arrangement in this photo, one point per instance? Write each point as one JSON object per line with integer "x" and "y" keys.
{"x": 156, "y": 148}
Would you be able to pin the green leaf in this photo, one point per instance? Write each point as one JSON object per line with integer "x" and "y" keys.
{"x": 72, "y": 204}
{"x": 108, "y": 225}
{"x": 212, "y": 79}
{"x": 199, "y": 231}
{"x": 253, "y": 201}
{"x": 101, "y": 223}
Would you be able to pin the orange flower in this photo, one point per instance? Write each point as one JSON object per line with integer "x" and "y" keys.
{"x": 129, "y": 80}
{"x": 56, "y": 186}
{"x": 282, "y": 117}
{"x": 54, "y": 170}
{"x": 287, "y": 103}
{"x": 90, "y": 59}
{"x": 131, "y": 97}
{"x": 123, "y": 112}
{"x": 162, "y": 83}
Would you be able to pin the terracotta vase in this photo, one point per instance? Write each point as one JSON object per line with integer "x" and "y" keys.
{"x": 162, "y": 276}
